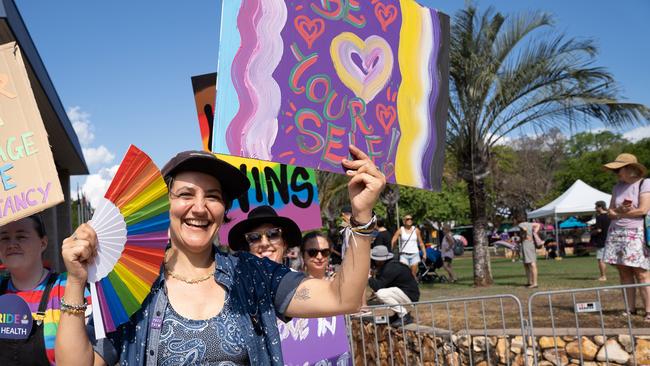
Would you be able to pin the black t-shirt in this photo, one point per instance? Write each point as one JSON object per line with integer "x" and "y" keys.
{"x": 602, "y": 223}
{"x": 396, "y": 274}
{"x": 383, "y": 238}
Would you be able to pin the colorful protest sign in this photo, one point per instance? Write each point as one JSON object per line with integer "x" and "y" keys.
{"x": 300, "y": 80}
{"x": 317, "y": 341}
{"x": 29, "y": 182}
{"x": 204, "y": 87}
{"x": 290, "y": 190}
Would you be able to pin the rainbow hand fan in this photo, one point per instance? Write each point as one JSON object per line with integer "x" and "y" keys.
{"x": 131, "y": 223}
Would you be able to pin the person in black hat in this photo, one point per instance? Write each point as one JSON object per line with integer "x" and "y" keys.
{"x": 393, "y": 284}
{"x": 265, "y": 234}
{"x": 234, "y": 298}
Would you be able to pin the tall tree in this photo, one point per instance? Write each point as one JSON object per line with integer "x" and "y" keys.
{"x": 505, "y": 76}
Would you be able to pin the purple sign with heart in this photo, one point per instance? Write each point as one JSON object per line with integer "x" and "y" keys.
{"x": 15, "y": 317}
{"x": 300, "y": 80}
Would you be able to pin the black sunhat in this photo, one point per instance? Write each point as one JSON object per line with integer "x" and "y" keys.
{"x": 233, "y": 182}
{"x": 260, "y": 216}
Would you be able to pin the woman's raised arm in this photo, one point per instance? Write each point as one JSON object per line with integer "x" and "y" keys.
{"x": 317, "y": 298}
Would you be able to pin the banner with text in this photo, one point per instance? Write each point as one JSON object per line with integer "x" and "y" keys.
{"x": 29, "y": 182}
{"x": 290, "y": 190}
{"x": 300, "y": 80}
{"x": 317, "y": 341}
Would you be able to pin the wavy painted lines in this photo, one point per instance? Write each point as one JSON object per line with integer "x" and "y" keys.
{"x": 226, "y": 104}
{"x": 253, "y": 129}
{"x": 249, "y": 15}
{"x": 412, "y": 101}
{"x": 262, "y": 128}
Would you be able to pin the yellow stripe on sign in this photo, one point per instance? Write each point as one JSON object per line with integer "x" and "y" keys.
{"x": 411, "y": 93}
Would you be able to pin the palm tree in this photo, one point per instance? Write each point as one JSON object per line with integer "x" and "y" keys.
{"x": 332, "y": 195}
{"x": 503, "y": 78}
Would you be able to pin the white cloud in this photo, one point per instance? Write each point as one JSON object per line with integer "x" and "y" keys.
{"x": 98, "y": 155}
{"x": 96, "y": 184}
{"x": 637, "y": 133}
{"x": 82, "y": 125}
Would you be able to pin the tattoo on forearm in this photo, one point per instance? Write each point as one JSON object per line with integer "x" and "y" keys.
{"x": 302, "y": 294}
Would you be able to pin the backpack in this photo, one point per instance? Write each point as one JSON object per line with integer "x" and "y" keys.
{"x": 459, "y": 249}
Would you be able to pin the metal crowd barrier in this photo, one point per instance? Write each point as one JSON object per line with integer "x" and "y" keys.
{"x": 492, "y": 330}
{"x": 437, "y": 335}
{"x": 596, "y": 311}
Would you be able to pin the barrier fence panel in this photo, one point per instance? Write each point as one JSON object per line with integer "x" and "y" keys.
{"x": 589, "y": 325}
{"x": 486, "y": 330}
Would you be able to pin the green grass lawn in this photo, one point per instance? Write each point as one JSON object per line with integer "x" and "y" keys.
{"x": 509, "y": 277}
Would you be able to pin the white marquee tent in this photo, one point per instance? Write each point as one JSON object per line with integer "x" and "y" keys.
{"x": 579, "y": 199}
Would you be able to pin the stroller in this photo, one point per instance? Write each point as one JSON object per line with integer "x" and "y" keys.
{"x": 427, "y": 270}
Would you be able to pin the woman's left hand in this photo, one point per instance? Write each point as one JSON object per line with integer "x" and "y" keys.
{"x": 366, "y": 184}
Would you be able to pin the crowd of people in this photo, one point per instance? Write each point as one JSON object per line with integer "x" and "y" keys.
{"x": 238, "y": 296}
{"x": 272, "y": 271}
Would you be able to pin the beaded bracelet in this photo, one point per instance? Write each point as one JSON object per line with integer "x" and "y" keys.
{"x": 365, "y": 229}
{"x": 73, "y": 309}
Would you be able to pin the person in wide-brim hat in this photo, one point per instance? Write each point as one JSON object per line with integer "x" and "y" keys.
{"x": 626, "y": 160}
{"x": 625, "y": 246}
{"x": 256, "y": 234}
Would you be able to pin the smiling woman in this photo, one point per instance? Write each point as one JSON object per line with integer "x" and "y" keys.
{"x": 233, "y": 299}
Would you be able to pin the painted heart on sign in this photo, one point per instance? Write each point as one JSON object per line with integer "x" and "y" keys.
{"x": 386, "y": 14}
{"x": 386, "y": 115}
{"x": 309, "y": 29}
{"x": 374, "y": 66}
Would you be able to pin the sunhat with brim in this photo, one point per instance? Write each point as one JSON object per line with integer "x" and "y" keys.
{"x": 260, "y": 216}
{"x": 380, "y": 253}
{"x": 626, "y": 160}
{"x": 233, "y": 182}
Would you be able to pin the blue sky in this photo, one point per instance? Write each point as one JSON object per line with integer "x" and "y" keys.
{"x": 122, "y": 68}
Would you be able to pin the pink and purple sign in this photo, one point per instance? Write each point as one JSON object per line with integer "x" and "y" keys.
{"x": 315, "y": 341}
{"x": 300, "y": 80}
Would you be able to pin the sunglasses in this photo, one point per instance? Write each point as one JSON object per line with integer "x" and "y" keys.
{"x": 314, "y": 252}
{"x": 273, "y": 235}
{"x": 408, "y": 218}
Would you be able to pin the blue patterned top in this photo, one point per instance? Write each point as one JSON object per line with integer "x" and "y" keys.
{"x": 215, "y": 341}
{"x": 260, "y": 291}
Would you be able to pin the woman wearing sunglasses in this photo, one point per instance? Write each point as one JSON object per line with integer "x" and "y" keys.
{"x": 316, "y": 250}
{"x": 265, "y": 234}
{"x": 209, "y": 307}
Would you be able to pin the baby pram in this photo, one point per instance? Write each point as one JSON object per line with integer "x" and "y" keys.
{"x": 427, "y": 270}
